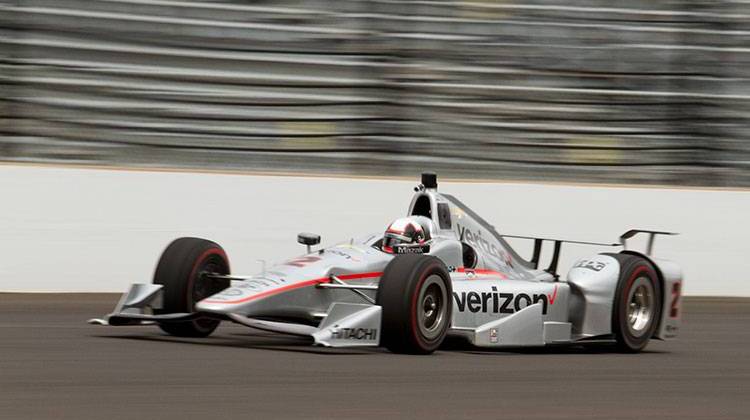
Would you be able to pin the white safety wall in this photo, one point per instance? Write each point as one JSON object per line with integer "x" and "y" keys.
{"x": 97, "y": 230}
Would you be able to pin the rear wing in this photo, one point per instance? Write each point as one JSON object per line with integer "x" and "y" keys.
{"x": 538, "y": 242}
{"x": 552, "y": 268}
{"x": 651, "y": 236}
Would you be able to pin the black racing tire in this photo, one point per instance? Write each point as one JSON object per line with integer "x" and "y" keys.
{"x": 182, "y": 272}
{"x": 636, "y": 309}
{"x": 416, "y": 294}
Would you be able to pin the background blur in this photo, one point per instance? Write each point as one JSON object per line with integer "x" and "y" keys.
{"x": 640, "y": 91}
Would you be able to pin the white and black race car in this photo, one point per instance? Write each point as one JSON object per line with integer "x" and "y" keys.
{"x": 441, "y": 270}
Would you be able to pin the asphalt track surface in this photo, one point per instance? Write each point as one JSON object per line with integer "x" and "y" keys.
{"x": 54, "y": 366}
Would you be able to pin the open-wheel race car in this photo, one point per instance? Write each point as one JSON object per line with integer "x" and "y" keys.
{"x": 441, "y": 270}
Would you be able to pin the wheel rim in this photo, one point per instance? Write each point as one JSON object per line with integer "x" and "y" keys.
{"x": 432, "y": 307}
{"x": 641, "y": 304}
{"x": 204, "y": 286}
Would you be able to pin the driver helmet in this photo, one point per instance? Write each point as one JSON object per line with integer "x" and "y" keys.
{"x": 406, "y": 231}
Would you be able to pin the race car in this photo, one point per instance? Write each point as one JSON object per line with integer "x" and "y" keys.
{"x": 440, "y": 271}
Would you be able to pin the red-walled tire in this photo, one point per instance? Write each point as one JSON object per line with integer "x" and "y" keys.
{"x": 182, "y": 271}
{"x": 416, "y": 295}
{"x": 636, "y": 309}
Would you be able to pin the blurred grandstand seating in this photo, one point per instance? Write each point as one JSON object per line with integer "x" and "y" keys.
{"x": 600, "y": 91}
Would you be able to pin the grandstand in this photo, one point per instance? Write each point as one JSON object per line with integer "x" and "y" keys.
{"x": 649, "y": 92}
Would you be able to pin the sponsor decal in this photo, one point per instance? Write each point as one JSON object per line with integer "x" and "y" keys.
{"x": 674, "y": 309}
{"x": 553, "y": 296}
{"x": 275, "y": 273}
{"x": 354, "y": 333}
{"x": 591, "y": 265}
{"x": 493, "y": 335}
{"x": 476, "y": 240}
{"x": 343, "y": 254}
{"x": 257, "y": 283}
{"x": 253, "y": 285}
{"x": 302, "y": 261}
{"x": 288, "y": 287}
{"x": 500, "y": 302}
{"x": 411, "y": 249}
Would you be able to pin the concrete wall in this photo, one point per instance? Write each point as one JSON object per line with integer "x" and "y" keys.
{"x": 95, "y": 230}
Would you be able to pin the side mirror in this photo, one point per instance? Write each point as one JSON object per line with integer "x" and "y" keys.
{"x": 308, "y": 239}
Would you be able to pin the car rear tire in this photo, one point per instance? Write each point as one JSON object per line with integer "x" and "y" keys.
{"x": 417, "y": 299}
{"x": 182, "y": 271}
{"x": 637, "y": 303}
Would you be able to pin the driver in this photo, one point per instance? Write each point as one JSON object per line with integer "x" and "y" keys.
{"x": 406, "y": 231}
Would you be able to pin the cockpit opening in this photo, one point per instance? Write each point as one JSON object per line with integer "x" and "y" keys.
{"x": 422, "y": 207}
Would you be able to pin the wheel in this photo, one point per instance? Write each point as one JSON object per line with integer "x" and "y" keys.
{"x": 637, "y": 306}
{"x": 417, "y": 299}
{"x": 182, "y": 272}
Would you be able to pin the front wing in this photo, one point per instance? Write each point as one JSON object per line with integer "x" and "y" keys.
{"x": 345, "y": 324}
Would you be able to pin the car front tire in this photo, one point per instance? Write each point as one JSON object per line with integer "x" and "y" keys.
{"x": 416, "y": 295}
{"x": 182, "y": 271}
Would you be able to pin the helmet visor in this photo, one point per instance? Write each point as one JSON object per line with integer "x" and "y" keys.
{"x": 393, "y": 239}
